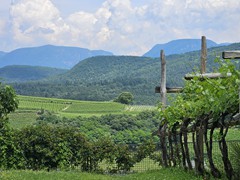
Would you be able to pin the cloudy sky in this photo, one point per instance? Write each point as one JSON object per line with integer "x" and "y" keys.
{"x": 126, "y": 27}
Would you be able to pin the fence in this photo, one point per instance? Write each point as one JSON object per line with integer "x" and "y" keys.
{"x": 153, "y": 162}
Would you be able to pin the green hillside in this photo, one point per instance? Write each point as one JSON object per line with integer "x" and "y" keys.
{"x": 21, "y": 73}
{"x": 103, "y": 78}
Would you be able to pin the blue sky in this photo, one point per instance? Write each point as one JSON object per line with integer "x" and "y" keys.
{"x": 124, "y": 27}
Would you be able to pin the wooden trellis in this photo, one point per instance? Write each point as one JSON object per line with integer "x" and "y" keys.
{"x": 200, "y": 130}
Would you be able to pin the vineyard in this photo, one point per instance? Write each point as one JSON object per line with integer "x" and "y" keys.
{"x": 78, "y": 107}
{"x": 29, "y": 106}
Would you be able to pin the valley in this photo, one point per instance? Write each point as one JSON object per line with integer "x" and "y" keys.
{"x": 103, "y": 78}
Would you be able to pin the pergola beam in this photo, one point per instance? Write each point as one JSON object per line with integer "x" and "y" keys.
{"x": 207, "y": 76}
{"x": 231, "y": 55}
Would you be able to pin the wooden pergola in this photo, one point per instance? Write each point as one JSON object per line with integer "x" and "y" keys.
{"x": 163, "y": 90}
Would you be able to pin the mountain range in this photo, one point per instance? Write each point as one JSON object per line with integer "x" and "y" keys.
{"x": 49, "y": 56}
{"x": 66, "y": 57}
{"x": 180, "y": 46}
{"x": 103, "y": 78}
{"x": 2, "y": 54}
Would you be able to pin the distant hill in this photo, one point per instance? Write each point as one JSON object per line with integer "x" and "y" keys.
{"x": 50, "y": 56}
{"x": 102, "y": 78}
{"x": 179, "y": 46}
{"x": 2, "y": 54}
{"x": 21, "y": 73}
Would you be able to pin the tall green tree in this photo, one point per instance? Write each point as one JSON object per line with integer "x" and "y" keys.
{"x": 9, "y": 154}
{"x": 125, "y": 98}
{"x": 8, "y": 102}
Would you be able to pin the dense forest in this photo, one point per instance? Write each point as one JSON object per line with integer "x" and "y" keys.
{"x": 23, "y": 73}
{"x": 103, "y": 78}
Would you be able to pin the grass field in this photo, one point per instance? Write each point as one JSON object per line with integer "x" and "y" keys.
{"x": 164, "y": 174}
{"x": 29, "y": 105}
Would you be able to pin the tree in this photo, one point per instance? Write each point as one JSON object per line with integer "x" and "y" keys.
{"x": 8, "y": 101}
{"x": 9, "y": 155}
{"x": 125, "y": 98}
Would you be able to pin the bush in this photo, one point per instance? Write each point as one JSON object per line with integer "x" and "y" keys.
{"x": 10, "y": 154}
{"x": 47, "y": 147}
{"x": 124, "y": 158}
{"x": 60, "y": 147}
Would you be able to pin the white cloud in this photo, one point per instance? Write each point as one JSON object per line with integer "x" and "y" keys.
{"x": 123, "y": 28}
{"x": 36, "y": 21}
{"x": 2, "y": 27}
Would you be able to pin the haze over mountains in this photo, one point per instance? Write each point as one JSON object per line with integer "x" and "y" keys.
{"x": 66, "y": 57}
{"x": 2, "y": 54}
{"x": 180, "y": 46}
{"x": 49, "y": 56}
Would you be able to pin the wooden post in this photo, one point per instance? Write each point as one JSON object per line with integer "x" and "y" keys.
{"x": 203, "y": 71}
{"x": 163, "y": 80}
{"x": 203, "y": 55}
{"x": 163, "y": 125}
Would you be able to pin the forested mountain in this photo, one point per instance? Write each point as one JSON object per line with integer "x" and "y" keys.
{"x": 178, "y": 47}
{"x": 49, "y": 56}
{"x": 21, "y": 73}
{"x": 104, "y": 77}
{"x": 66, "y": 57}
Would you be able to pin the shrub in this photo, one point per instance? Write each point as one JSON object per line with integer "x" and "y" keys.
{"x": 10, "y": 154}
{"x": 47, "y": 147}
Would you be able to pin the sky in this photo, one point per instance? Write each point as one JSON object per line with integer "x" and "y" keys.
{"x": 123, "y": 27}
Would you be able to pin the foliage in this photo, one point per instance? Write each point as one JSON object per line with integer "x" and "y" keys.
{"x": 120, "y": 127}
{"x": 235, "y": 157}
{"x": 64, "y": 147}
{"x": 147, "y": 148}
{"x": 8, "y": 101}
{"x": 23, "y": 73}
{"x": 124, "y": 158}
{"x": 209, "y": 97}
{"x": 124, "y": 98}
{"x": 46, "y": 147}
{"x": 8, "y": 149}
{"x": 10, "y": 154}
{"x": 203, "y": 106}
